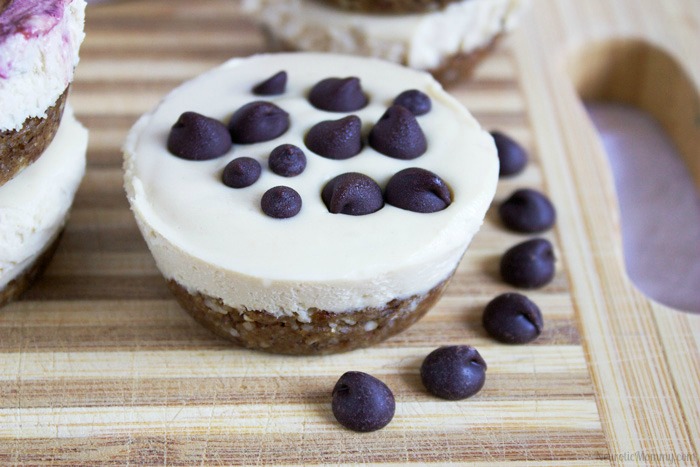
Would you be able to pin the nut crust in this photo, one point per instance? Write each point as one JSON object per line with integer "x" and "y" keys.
{"x": 326, "y": 333}
{"x": 20, "y": 148}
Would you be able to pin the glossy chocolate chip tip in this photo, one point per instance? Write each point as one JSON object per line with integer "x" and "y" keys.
{"x": 336, "y": 139}
{"x": 241, "y": 172}
{"x": 529, "y": 265}
{"x": 272, "y": 86}
{"x": 511, "y": 155}
{"x": 338, "y": 95}
{"x": 352, "y": 193}
{"x": 281, "y": 202}
{"x": 362, "y": 403}
{"x": 398, "y": 134}
{"x": 512, "y": 318}
{"x": 453, "y": 372}
{"x": 197, "y": 137}
{"x": 418, "y": 190}
{"x": 257, "y": 122}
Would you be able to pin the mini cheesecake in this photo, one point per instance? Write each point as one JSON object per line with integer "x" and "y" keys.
{"x": 34, "y": 207}
{"x": 309, "y": 203}
{"x": 39, "y": 44}
{"x": 449, "y": 40}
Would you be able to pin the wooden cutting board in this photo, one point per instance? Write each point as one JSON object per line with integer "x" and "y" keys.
{"x": 99, "y": 364}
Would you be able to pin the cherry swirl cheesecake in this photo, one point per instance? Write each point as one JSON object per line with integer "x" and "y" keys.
{"x": 309, "y": 203}
{"x": 39, "y": 45}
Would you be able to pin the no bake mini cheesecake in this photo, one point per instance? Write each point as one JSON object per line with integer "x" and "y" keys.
{"x": 39, "y": 44}
{"x": 447, "y": 38}
{"x": 34, "y": 208}
{"x": 309, "y": 203}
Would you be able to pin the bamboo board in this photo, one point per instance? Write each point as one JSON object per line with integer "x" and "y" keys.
{"x": 99, "y": 364}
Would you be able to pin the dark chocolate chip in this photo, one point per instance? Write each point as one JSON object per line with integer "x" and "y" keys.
{"x": 527, "y": 211}
{"x": 418, "y": 190}
{"x": 287, "y": 160}
{"x": 198, "y": 138}
{"x": 257, "y": 122}
{"x": 529, "y": 264}
{"x": 414, "y": 100}
{"x": 336, "y": 139}
{"x": 511, "y": 154}
{"x": 397, "y": 134}
{"x": 352, "y": 193}
{"x": 273, "y": 86}
{"x": 453, "y": 372}
{"x": 241, "y": 172}
{"x": 281, "y": 202}
{"x": 338, "y": 95}
{"x": 513, "y": 318}
{"x": 362, "y": 403}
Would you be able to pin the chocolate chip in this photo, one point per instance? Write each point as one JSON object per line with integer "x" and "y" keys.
{"x": 414, "y": 100}
{"x": 198, "y": 138}
{"x": 352, "y": 193}
{"x": 362, "y": 403}
{"x": 418, "y": 190}
{"x": 453, "y": 372}
{"x": 273, "y": 86}
{"x": 257, "y": 122}
{"x": 336, "y": 139}
{"x": 397, "y": 134}
{"x": 527, "y": 211}
{"x": 241, "y": 172}
{"x": 529, "y": 264}
{"x": 281, "y": 202}
{"x": 513, "y": 318}
{"x": 338, "y": 95}
{"x": 287, "y": 160}
{"x": 511, "y": 155}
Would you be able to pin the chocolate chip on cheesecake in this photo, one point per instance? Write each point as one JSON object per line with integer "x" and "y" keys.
{"x": 338, "y": 95}
{"x": 336, "y": 139}
{"x": 418, "y": 190}
{"x": 352, "y": 193}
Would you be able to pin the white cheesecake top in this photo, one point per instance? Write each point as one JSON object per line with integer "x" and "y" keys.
{"x": 34, "y": 204}
{"x": 184, "y": 203}
{"x": 419, "y": 40}
{"x": 39, "y": 44}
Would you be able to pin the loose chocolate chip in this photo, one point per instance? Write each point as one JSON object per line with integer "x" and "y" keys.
{"x": 527, "y": 211}
{"x": 418, "y": 190}
{"x": 257, "y": 122}
{"x": 529, "y": 264}
{"x": 274, "y": 85}
{"x": 198, "y": 138}
{"x": 453, "y": 372}
{"x": 513, "y": 318}
{"x": 414, "y": 100}
{"x": 352, "y": 193}
{"x": 362, "y": 403}
{"x": 336, "y": 139}
{"x": 511, "y": 155}
{"x": 397, "y": 134}
{"x": 281, "y": 202}
{"x": 241, "y": 172}
{"x": 338, "y": 95}
{"x": 287, "y": 160}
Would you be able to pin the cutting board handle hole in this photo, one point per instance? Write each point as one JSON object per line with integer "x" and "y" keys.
{"x": 647, "y": 112}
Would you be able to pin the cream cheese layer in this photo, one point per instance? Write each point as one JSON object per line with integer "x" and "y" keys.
{"x": 38, "y": 53}
{"x": 418, "y": 40}
{"x": 216, "y": 240}
{"x": 34, "y": 204}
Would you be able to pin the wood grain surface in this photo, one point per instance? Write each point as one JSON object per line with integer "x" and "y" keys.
{"x": 99, "y": 365}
